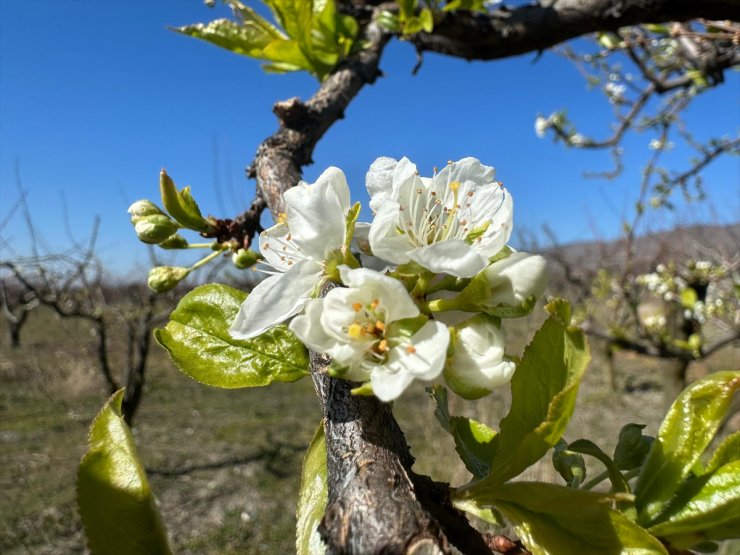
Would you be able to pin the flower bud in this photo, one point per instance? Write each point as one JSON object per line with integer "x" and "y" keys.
{"x": 477, "y": 363}
{"x": 163, "y": 278}
{"x": 175, "y": 241}
{"x": 245, "y": 258}
{"x": 142, "y": 208}
{"x": 511, "y": 281}
{"x": 155, "y": 228}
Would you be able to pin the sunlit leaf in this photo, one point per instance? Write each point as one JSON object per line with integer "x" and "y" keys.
{"x": 555, "y": 520}
{"x": 727, "y": 452}
{"x": 473, "y": 439}
{"x": 685, "y": 433}
{"x": 198, "y": 341}
{"x": 117, "y": 506}
{"x": 706, "y": 507}
{"x": 312, "y": 498}
{"x": 543, "y": 389}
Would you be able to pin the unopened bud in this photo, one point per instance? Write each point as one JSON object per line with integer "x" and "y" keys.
{"x": 155, "y": 229}
{"x": 175, "y": 241}
{"x": 163, "y": 278}
{"x": 245, "y": 258}
{"x": 143, "y": 208}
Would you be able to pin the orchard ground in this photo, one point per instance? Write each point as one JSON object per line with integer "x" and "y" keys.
{"x": 225, "y": 464}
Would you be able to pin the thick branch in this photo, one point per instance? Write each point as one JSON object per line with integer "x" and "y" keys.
{"x": 506, "y": 33}
{"x": 277, "y": 165}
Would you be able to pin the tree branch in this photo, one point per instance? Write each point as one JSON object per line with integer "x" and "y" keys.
{"x": 514, "y": 31}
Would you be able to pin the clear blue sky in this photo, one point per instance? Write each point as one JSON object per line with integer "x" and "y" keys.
{"x": 97, "y": 96}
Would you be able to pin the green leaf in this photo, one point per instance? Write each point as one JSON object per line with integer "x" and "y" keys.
{"x": 181, "y": 205}
{"x": 727, "y": 452}
{"x": 632, "y": 447}
{"x": 312, "y": 498}
{"x": 245, "y": 39}
{"x": 470, "y": 5}
{"x": 543, "y": 389}
{"x": 426, "y": 17}
{"x": 587, "y": 447}
{"x": 554, "y": 520}
{"x": 117, "y": 506}
{"x": 198, "y": 341}
{"x": 685, "y": 433}
{"x": 569, "y": 465}
{"x": 705, "y": 508}
{"x": 473, "y": 439}
{"x": 689, "y": 297}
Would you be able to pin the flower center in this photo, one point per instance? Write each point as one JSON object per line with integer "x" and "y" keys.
{"x": 369, "y": 325}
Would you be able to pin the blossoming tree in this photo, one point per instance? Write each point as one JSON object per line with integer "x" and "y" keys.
{"x": 417, "y": 294}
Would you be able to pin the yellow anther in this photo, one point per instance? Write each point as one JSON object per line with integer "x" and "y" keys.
{"x": 410, "y": 349}
{"x": 380, "y": 325}
{"x": 355, "y": 331}
{"x": 369, "y": 328}
{"x": 374, "y": 304}
{"x": 282, "y": 218}
{"x": 382, "y": 345}
{"x": 455, "y": 185}
{"x": 357, "y": 307}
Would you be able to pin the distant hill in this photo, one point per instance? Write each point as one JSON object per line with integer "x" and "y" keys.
{"x": 578, "y": 261}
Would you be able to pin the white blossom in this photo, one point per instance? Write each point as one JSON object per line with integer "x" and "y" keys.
{"x": 297, "y": 248}
{"x": 477, "y": 364}
{"x": 514, "y": 279}
{"x": 451, "y": 223}
{"x": 541, "y": 125}
{"x": 359, "y": 327}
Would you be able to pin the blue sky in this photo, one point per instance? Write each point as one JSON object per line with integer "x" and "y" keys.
{"x": 97, "y": 96}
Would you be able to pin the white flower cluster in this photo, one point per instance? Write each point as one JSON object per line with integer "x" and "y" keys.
{"x": 425, "y": 284}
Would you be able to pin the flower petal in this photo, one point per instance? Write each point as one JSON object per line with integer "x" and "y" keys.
{"x": 276, "y": 299}
{"x": 316, "y": 213}
{"x": 385, "y": 242}
{"x": 424, "y": 362}
{"x": 379, "y": 181}
{"x": 393, "y": 297}
{"x": 453, "y": 256}
{"x": 279, "y": 252}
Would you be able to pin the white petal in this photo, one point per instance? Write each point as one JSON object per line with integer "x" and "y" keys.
{"x": 316, "y": 213}
{"x": 393, "y": 297}
{"x": 276, "y": 299}
{"x": 279, "y": 252}
{"x": 379, "y": 181}
{"x": 424, "y": 363}
{"x": 307, "y": 327}
{"x": 453, "y": 256}
{"x": 499, "y": 231}
{"x": 385, "y": 241}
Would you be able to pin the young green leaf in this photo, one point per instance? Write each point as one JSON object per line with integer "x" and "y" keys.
{"x": 587, "y": 447}
{"x": 552, "y": 520}
{"x": 632, "y": 447}
{"x": 181, "y": 205}
{"x": 543, "y": 389}
{"x": 312, "y": 498}
{"x": 198, "y": 341}
{"x": 117, "y": 506}
{"x": 568, "y": 464}
{"x": 706, "y": 507}
{"x": 727, "y": 452}
{"x": 473, "y": 439}
{"x": 685, "y": 433}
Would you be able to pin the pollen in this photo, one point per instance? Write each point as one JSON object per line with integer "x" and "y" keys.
{"x": 355, "y": 331}
{"x": 357, "y": 307}
{"x": 374, "y": 304}
{"x": 282, "y": 218}
{"x": 455, "y": 185}
{"x": 410, "y": 349}
{"x": 380, "y": 325}
{"x": 382, "y": 345}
